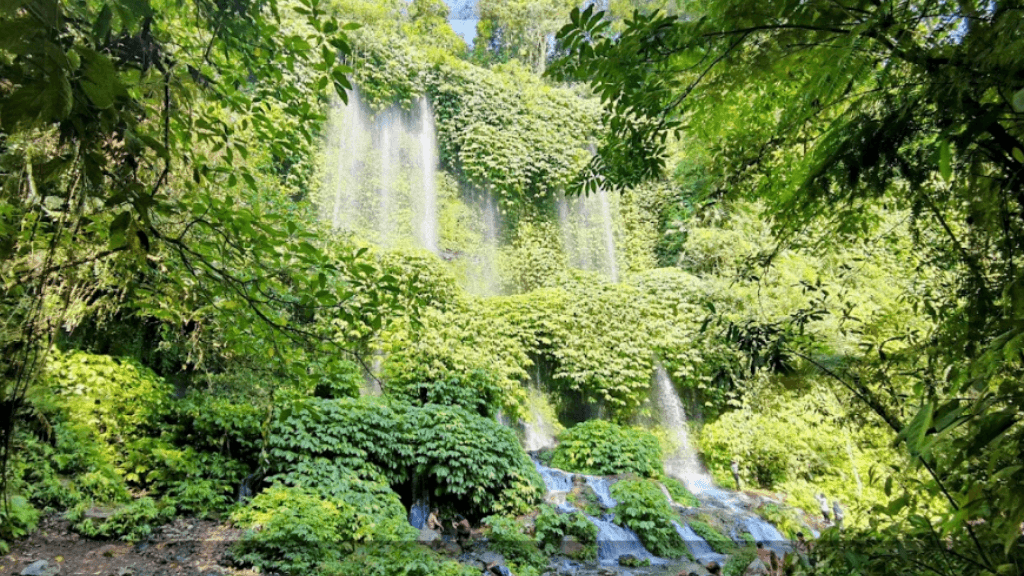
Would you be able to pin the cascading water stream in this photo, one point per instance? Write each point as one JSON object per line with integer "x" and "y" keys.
{"x": 427, "y": 232}
{"x": 380, "y": 173}
{"x": 686, "y": 466}
{"x": 683, "y": 463}
{"x": 587, "y": 226}
{"x": 614, "y": 541}
{"x": 699, "y": 547}
{"x": 483, "y": 276}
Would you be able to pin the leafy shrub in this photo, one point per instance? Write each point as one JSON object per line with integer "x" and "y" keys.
{"x": 787, "y": 520}
{"x": 395, "y": 559}
{"x": 507, "y": 537}
{"x": 78, "y": 467}
{"x": 375, "y": 507}
{"x": 18, "y": 519}
{"x": 600, "y": 447}
{"x": 476, "y": 392}
{"x": 462, "y": 454}
{"x": 680, "y": 495}
{"x": 552, "y": 526}
{"x": 738, "y": 562}
{"x": 118, "y": 398}
{"x": 718, "y": 542}
{"x": 132, "y": 522}
{"x": 297, "y": 530}
{"x": 199, "y": 483}
{"x": 220, "y": 424}
{"x": 644, "y": 508}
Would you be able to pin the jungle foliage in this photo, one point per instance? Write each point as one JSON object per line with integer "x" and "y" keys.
{"x": 824, "y": 111}
{"x": 601, "y": 447}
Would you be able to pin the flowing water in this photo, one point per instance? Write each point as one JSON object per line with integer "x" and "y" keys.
{"x": 380, "y": 173}
{"x": 539, "y": 431}
{"x": 482, "y": 274}
{"x": 614, "y": 541}
{"x": 587, "y": 226}
{"x": 683, "y": 463}
{"x": 699, "y": 547}
{"x": 602, "y": 489}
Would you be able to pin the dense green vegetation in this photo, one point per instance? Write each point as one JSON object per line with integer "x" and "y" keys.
{"x": 814, "y": 212}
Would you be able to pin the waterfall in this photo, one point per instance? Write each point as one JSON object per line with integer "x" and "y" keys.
{"x": 764, "y": 532}
{"x": 588, "y": 239}
{"x": 608, "y": 235}
{"x": 483, "y": 277}
{"x": 555, "y": 480}
{"x": 699, "y": 547}
{"x": 614, "y": 541}
{"x": 427, "y": 231}
{"x": 683, "y": 463}
{"x": 602, "y": 489}
{"x": 418, "y": 514}
{"x": 245, "y": 488}
{"x": 538, "y": 432}
{"x": 380, "y": 173}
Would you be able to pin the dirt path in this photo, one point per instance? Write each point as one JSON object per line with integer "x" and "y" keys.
{"x": 185, "y": 547}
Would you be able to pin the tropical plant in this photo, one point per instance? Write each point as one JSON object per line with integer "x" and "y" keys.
{"x": 644, "y": 508}
{"x": 602, "y": 447}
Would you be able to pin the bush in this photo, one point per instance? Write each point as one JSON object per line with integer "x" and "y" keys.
{"x": 719, "y": 542}
{"x": 506, "y": 536}
{"x": 644, "y": 508}
{"x": 395, "y": 559}
{"x": 680, "y": 495}
{"x": 119, "y": 399}
{"x": 295, "y": 529}
{"x": 738, "y": 562}
{"x": 199, "y": 483}
{"x": 552, "y": 526}
{"x": 476, "y": 392}
{"x": 218, "y": 424}
{"x": 132, "y": 522}
{"x": 600, "y": 447}
{"x": 461, "y": 454}
{"x": 16, "y": 520}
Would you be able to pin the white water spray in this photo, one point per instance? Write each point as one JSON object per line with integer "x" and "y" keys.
{"x": 587, "y": 227}
{"x": 427, "y": 232}
{"x": 683, "y": 463}
{"x": 380, "y": 173}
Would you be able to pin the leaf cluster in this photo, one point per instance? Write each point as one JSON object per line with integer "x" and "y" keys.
{"x": 602, "y": 447}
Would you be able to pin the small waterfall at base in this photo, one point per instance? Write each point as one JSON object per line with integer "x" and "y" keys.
{"x": 538, "y": 432}
{"x": 245, "y": 488}
{"x": 555, "y": 480}
{"x": 614, "y": 541}
{"x": 764, "y": 532}
{"x": 380, "y": 173}
{"x": 603, "y": 491}
{"x": 698, "y": 546}
{"x": 683, "y": 463}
